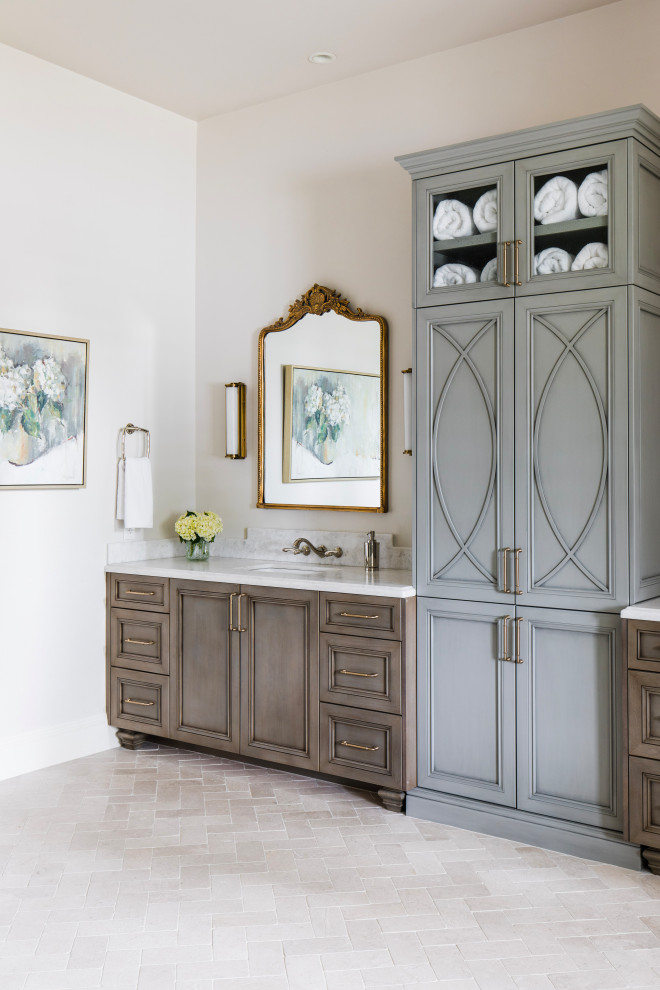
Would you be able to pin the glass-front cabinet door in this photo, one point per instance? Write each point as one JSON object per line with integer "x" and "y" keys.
{"x": 464, "y": 235}
{"x": 571, "y": 230}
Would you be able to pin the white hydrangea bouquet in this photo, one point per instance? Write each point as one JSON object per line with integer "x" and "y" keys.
{"x": 197, "y": 530}
{"x": 325, "y": 415}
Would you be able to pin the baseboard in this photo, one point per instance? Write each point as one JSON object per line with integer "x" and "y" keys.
{"x": 508, "y": 823}
{"x": 28, "y": 751}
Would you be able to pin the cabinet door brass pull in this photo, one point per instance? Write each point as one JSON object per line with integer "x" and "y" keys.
{"x": 240, "y": 628}
{"x": 231, "y": 612}
{"x": 516, "y": 273}
{"x": 143, "y": 593}
{"x": 519, "y": 659}
{"x": 356, "y": 673}
{"x": 144, "y": 704}
{"x": 370, "y": 749}
{"x": 141, "y": 642}
{"x": 505, "y": 248}
{"x": 516, "y": 568}
{"x": 505, "y": 565}
{"x": 355, "y": 615}
{"x": 506, "y": 619}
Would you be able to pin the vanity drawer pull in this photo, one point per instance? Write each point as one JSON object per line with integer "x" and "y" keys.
{"x": 141, "y": 642}
{"x": 143, "y": 593}
{"x": 144, "y": 704}
{"x": 370, "y": 749}
{"x": 356, "y": 673}
{"x": 354, "y": 615}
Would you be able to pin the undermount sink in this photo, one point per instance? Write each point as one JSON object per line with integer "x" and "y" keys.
{"x": 292, "y": 569}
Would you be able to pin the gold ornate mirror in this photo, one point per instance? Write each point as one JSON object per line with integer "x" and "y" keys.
{"x": 323, "y": 407}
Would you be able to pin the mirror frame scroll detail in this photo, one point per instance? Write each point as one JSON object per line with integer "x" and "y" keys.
{"x": 319, "y": 300}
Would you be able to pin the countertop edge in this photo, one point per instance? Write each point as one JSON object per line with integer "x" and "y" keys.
{"x": 233, "y": 570}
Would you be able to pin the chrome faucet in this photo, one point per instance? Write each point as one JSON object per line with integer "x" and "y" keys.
{"x": 303, "y": 546}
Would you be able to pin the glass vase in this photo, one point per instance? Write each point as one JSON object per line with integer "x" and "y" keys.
{"x": 197, "y": 549}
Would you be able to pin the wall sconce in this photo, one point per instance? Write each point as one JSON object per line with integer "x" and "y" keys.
{"x": 235, "y": 403}
{"x": 407, "y": 410}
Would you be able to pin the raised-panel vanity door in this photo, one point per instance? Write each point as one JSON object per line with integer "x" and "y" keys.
{"x": 572, "y": 450}
{"x": 465, "y": 451}
{"x": 569, "y": 717}
{"x": 466, "y": 700}
{"x": 280, "y": 676}
{"x": 205, "y": 695}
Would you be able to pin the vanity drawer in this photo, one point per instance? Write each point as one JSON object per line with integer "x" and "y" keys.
{"x": 644, "y": 801}
{"x": 644, "y": 714}
{"x": 378, "y": 617}
{"x": 644, "y": 645}
{"x": 139, "y": 701}
{"x": 364, "y": 673}
{"x": 361, "y": 745}
{"x": 140, "y": 640}
{"x": 150, "y": 594}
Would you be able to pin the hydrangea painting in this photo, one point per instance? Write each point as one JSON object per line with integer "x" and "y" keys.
{"x": 331, "y": 425}
{"x": 43, "y": 392}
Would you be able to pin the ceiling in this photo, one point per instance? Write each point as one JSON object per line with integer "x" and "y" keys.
{"x": 199, "y": 58}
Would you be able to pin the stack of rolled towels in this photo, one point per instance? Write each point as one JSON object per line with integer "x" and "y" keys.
{"x": 561, "y": 199}
{"x": 455, "y": 219}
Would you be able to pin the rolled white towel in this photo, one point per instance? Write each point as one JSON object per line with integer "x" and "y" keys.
{"x": 454, "y": 274}
{"x": 551, "y": 261}
{"x": 592, "y": 195}
{"x": 594, "y": 255}
{"x": 485, "y": 212}
{"x": 556, "y": 201}
{"x": 452, "y": 219}
{"x": 489, "y": 271}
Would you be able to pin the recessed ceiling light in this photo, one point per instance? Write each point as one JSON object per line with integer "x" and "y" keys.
{"x": 320, "y": 58}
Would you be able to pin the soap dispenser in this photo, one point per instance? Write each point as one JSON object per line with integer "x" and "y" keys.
{"x": 371, "y": 550}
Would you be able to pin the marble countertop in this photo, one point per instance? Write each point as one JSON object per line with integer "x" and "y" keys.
{"x": 649, "y": 611}
{"x": 304, "y": 575}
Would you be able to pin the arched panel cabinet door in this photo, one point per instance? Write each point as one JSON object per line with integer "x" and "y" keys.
{"x": 465, "y": 451}
{"x": 572, "y": 449}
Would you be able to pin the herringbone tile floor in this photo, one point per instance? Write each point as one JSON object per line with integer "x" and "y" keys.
{"x": 168, "y": 870}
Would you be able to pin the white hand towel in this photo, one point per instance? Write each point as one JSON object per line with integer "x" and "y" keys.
{"x": 556, "y": 201}
{"x": 594, "y": 255}
{"x": 592, "y": 195}
{"x": 138, "y": 493}
{"x": 454, "y": 274}
{"x": 485, "y": 212}
{"x": 121, "y": 488}
{"x": 552, "y": 260}
{"x": 489, "y": 271}
{"x": 452, "y": 219}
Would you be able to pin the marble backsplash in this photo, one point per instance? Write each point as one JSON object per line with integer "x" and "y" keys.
{"x": 267, "y": 544}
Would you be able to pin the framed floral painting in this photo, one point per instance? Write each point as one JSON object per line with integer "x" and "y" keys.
{"x": 43, "y": 403}
{"x": 331, "y": 425}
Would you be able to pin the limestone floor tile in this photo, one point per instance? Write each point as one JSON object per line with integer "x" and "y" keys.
{"x": 166, "y": 869}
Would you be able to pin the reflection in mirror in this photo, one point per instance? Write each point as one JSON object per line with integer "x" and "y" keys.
{"x": 322, "y": 407}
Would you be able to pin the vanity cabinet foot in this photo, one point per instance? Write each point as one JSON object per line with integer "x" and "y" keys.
{"x": 652, "y": 859}
{"x": 392, "y": 800}
{"x": 129, "y": 739}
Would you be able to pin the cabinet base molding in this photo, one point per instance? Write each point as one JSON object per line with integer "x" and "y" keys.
{"x": 509, "y": 823}
{"x": 129, "y": 739}
{"x": 652, "y": 857}
{"x": 392, "y": 800}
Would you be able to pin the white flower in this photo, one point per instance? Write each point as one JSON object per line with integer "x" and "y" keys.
{"x": 14, "y": 386}
{"x": 48, "y": 378}
{"x": 337, "y": 406}
{"x": 313, "y": 400}
{"x": 6, "y": 363}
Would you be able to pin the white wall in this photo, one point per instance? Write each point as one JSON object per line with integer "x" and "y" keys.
{"x": 304, "y": 189}
{"x": 97, "y": 200}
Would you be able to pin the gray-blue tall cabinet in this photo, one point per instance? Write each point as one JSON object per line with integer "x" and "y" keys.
{"x": 537, "y": 363}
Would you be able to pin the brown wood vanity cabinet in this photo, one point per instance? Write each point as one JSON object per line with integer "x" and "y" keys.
{"x": 321, "y": 682}
{"x": 643, "y": 697}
